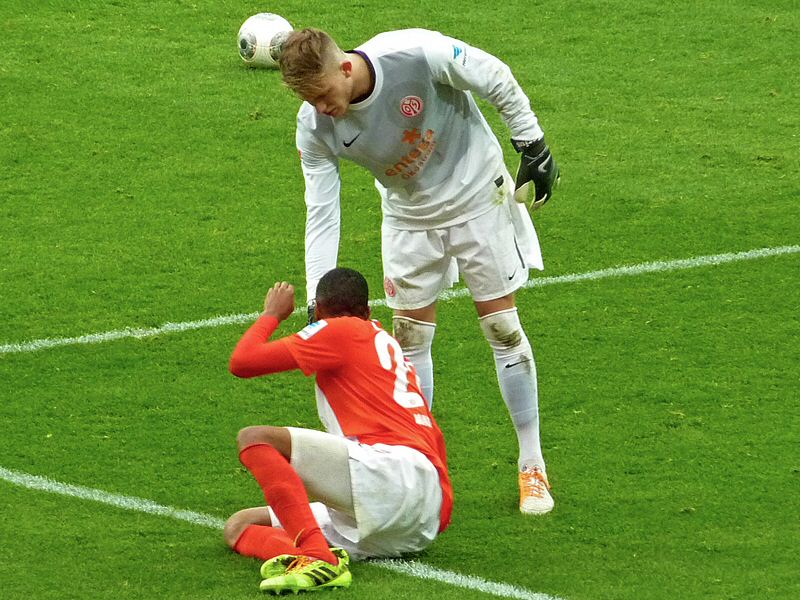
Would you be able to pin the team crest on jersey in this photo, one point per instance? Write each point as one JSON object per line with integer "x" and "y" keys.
{"x": 312, "y": 329}
{"x": 411, "y": 106}
{"x": 388, "y": 286}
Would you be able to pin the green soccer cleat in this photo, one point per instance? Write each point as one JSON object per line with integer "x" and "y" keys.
{"x": 342, "y": 555}
{"x": 278, "y": 565}
{"x": 309, "y": 574}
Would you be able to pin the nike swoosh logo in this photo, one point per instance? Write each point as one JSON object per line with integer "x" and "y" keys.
{"x": 350, "y": 143}
{"x": 542, "y": 168}
{"x": 510, "y": 277}
{"x": 524, "y": 360}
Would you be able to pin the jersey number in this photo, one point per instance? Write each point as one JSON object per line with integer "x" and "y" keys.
{"x": 388, "y": 350}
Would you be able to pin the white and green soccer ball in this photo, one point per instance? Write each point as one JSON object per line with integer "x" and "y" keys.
{"x": 260, "y": 39}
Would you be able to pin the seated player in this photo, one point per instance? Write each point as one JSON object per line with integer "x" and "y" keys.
{"x": 379, "y": 473}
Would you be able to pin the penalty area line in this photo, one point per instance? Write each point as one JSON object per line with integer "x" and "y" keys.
{"x": 659, "y": 266}
{"x": 410, "y": 568}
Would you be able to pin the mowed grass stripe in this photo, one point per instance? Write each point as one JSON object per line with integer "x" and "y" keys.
{"x": 623, "y": 271}
{"x": 410, "y": 568}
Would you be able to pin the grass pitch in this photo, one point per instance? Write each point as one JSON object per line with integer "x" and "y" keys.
{"x": 147, "y": 176}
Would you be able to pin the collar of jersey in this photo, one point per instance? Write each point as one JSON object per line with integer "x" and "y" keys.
{"x": 366, "y": 102}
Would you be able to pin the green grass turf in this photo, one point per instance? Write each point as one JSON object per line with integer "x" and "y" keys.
{"x": 147, "y": 176}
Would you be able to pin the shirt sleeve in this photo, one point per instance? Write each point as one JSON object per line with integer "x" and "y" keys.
{"x": 323, "y": 184}
{"x": 255, "y": 355}
{"x": 464, "y": 67}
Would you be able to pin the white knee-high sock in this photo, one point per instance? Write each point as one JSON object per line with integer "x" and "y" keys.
{"x": 516, "y": 374}
{"x": 416, "y": 339}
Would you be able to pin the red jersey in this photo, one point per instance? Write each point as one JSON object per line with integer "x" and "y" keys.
{"x": 368, "y": 383}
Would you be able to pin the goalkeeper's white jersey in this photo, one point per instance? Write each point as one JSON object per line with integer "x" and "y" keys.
{"x": 420, "y": 133}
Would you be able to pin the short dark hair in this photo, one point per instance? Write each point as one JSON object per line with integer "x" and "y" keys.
{"x": 343, "y": 292}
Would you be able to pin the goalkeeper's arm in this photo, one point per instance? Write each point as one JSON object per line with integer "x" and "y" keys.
{"x": 537, "y": 167}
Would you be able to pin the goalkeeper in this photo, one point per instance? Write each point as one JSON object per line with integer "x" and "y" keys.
{"x": 401, "y": 105}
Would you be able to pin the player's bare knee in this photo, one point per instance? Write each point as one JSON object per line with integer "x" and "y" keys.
{"x": 256, "y": 434}
{"x": 234, "y": 527}
{"x": 248, "y": 436}
{"x": 277, "y": 437}
{"x": 412, "y": 334}
{"x": 503, "y": 330}
{"x": 239, "y": 521}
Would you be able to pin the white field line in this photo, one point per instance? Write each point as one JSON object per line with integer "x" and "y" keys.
{"x": 410, "y": 568}
{"x": 629, "y": 270}
{"x": 423, "y": 571}
{"x": 35, "y": 482}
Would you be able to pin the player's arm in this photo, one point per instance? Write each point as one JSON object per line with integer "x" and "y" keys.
{"x": 255, "y": 354}
{"x": 323, "y": 185}
{"x": 465, "y": 67}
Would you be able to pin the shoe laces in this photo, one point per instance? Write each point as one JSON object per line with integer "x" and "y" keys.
{"x": 300, "y": 563}
{"x": 533, "y": 482}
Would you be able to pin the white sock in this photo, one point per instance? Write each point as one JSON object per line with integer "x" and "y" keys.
{"x": 416, "y": 339}
{"x": 516, "y": 374}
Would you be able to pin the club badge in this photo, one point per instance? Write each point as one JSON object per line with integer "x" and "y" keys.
{"x": 411, "y": 106}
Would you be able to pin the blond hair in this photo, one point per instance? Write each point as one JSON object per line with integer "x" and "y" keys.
{"x": 306, "y": 57}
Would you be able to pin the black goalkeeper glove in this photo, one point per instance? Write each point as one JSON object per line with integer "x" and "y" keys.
{"x": 312, "y": 310}
{"x": 535, "y": 165}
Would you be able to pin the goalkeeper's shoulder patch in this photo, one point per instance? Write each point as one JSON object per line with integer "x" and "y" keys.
{"x": 460, "y": 54}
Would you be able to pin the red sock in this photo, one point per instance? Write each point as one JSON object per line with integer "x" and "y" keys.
{"x": 286, "y": 494}
{"x": 264, "y": 542}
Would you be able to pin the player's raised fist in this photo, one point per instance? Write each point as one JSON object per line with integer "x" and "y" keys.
{"x": 280, "y": 301}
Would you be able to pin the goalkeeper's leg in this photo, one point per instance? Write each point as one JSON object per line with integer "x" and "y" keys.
{"x": 516, "y": 373}
{"x": 416, "y": 338}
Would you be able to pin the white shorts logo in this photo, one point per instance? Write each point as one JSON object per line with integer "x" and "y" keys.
{"x": 388, "y": 286}
{"x": 411, "y": 106}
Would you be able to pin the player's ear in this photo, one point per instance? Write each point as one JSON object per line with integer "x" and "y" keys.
{"x": 346, "y": 67}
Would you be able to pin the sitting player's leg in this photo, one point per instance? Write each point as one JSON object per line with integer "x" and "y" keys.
{"x": 249, "y": 532}
{"x": 322, "y": 461}
{"x": 241, "y": 520}
{"x": 264, "y": 451}
{"x": 403, "y": 517}
{"x": 258, "y": 518}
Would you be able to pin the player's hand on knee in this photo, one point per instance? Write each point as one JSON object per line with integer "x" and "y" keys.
{"x": 280, "y": 301}
{"x": 537, "y": 173}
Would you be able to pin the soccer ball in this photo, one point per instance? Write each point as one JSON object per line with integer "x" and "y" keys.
{"x": 260, "y": 39}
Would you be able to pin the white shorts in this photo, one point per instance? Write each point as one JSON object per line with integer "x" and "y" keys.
{"x": 394, "y": 498}
{"x": 418, "y": 265}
